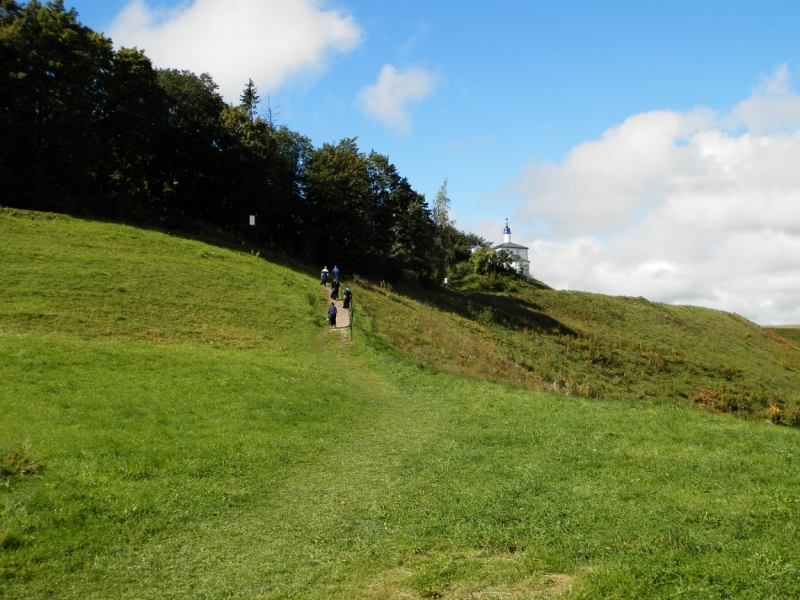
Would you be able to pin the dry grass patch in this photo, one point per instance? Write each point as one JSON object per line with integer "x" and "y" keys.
{"x": 397, "y": 584}
{"x": 479, "y": 575}
{"x": 551, "y": 585}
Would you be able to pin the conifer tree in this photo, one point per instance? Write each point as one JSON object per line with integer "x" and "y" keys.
{"x": 250, "y": 99}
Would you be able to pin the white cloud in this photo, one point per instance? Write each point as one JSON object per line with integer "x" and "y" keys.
{"x": 772, "y": 107}
{"x": 388, "y": 98}
{"x": 678, "y": 207}
{"x": 235, "y": 40}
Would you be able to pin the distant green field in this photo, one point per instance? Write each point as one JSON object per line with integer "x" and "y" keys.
{"x": 203, "y": 434}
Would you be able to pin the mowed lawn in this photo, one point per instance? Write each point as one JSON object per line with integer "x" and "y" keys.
{"x": 204, "y": 435}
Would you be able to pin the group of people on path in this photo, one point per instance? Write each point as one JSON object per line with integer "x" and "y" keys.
{"x": 348, "y": 295}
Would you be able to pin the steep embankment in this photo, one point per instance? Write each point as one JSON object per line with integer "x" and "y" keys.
{"x": 202, "y": 434}
{"x": 591, "y": 345}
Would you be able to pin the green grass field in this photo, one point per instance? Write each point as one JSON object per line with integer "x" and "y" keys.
{"x": 202, "y": 434}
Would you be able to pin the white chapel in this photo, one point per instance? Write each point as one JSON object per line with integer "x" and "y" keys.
{"x": 521, "y": 262}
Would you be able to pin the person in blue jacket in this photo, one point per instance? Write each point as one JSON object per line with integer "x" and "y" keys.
{"x": 335, "y": 273}
{"x": 332, "y": 315}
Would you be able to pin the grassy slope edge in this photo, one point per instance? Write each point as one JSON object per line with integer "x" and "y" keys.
{"x": 791, "y": 334}
{"x": 203, "y": 435}
{"x": 591, "y": 345}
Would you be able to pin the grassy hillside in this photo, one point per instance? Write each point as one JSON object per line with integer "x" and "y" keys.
{"x": 791, "y": 334}
{"x": 202, "y": 434}
{"x": 577, "y": 343}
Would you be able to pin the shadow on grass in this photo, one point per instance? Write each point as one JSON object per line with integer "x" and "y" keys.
{"x": 514, "y": 313}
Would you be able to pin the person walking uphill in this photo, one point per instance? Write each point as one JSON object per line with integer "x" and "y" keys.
{"x": 335, "y": 273}
{"x": 347, "y": 296}
{"x": 335, "y": 290}
{"x": 323, "y": 278}
{"x": 332, "y": 315}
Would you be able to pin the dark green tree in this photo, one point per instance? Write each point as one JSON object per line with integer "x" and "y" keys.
{"x": 54, "y": 79}
{"x": 85, "y": 129}
{"x": 132, "y": 128}
{"x": 338, "y": 204}
{"x": 196, "y": 152}
{"x": 402, "y": 228}
{"x": 415, "y": 247}
{"x": 249, "y": 99}
{"x": 267, "y": 174}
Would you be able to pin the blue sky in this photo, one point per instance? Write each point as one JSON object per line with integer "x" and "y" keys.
{"x": 509, "y": 93}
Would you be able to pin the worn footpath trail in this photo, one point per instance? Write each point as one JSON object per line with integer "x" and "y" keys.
{"x": 342, "y": 315}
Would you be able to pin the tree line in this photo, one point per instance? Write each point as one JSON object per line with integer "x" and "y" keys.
{"x": 89, "y": 130}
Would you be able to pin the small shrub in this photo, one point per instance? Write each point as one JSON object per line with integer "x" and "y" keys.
{"x": 775, "y": 414}
{"x": 17, "y": 461}
{"x": 484, "y": 284}
{"x": 722, "y": 400}
{"x": 792, "y": 417}
{"x": 460, "y": 270}
{"x": 486, "y": 316}
{"x": 761, "y": 396}
{"x": 730, "y": 373}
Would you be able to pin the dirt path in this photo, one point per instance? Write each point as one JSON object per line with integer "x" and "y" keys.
{"x": 343, "y": 315}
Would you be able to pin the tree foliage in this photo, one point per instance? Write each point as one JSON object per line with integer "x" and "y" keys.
{"x": 249, "y": 99}
{"x": 441, "y": 207}
{"x": 487, "y": 261}
{"x": 86, "y": 129}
